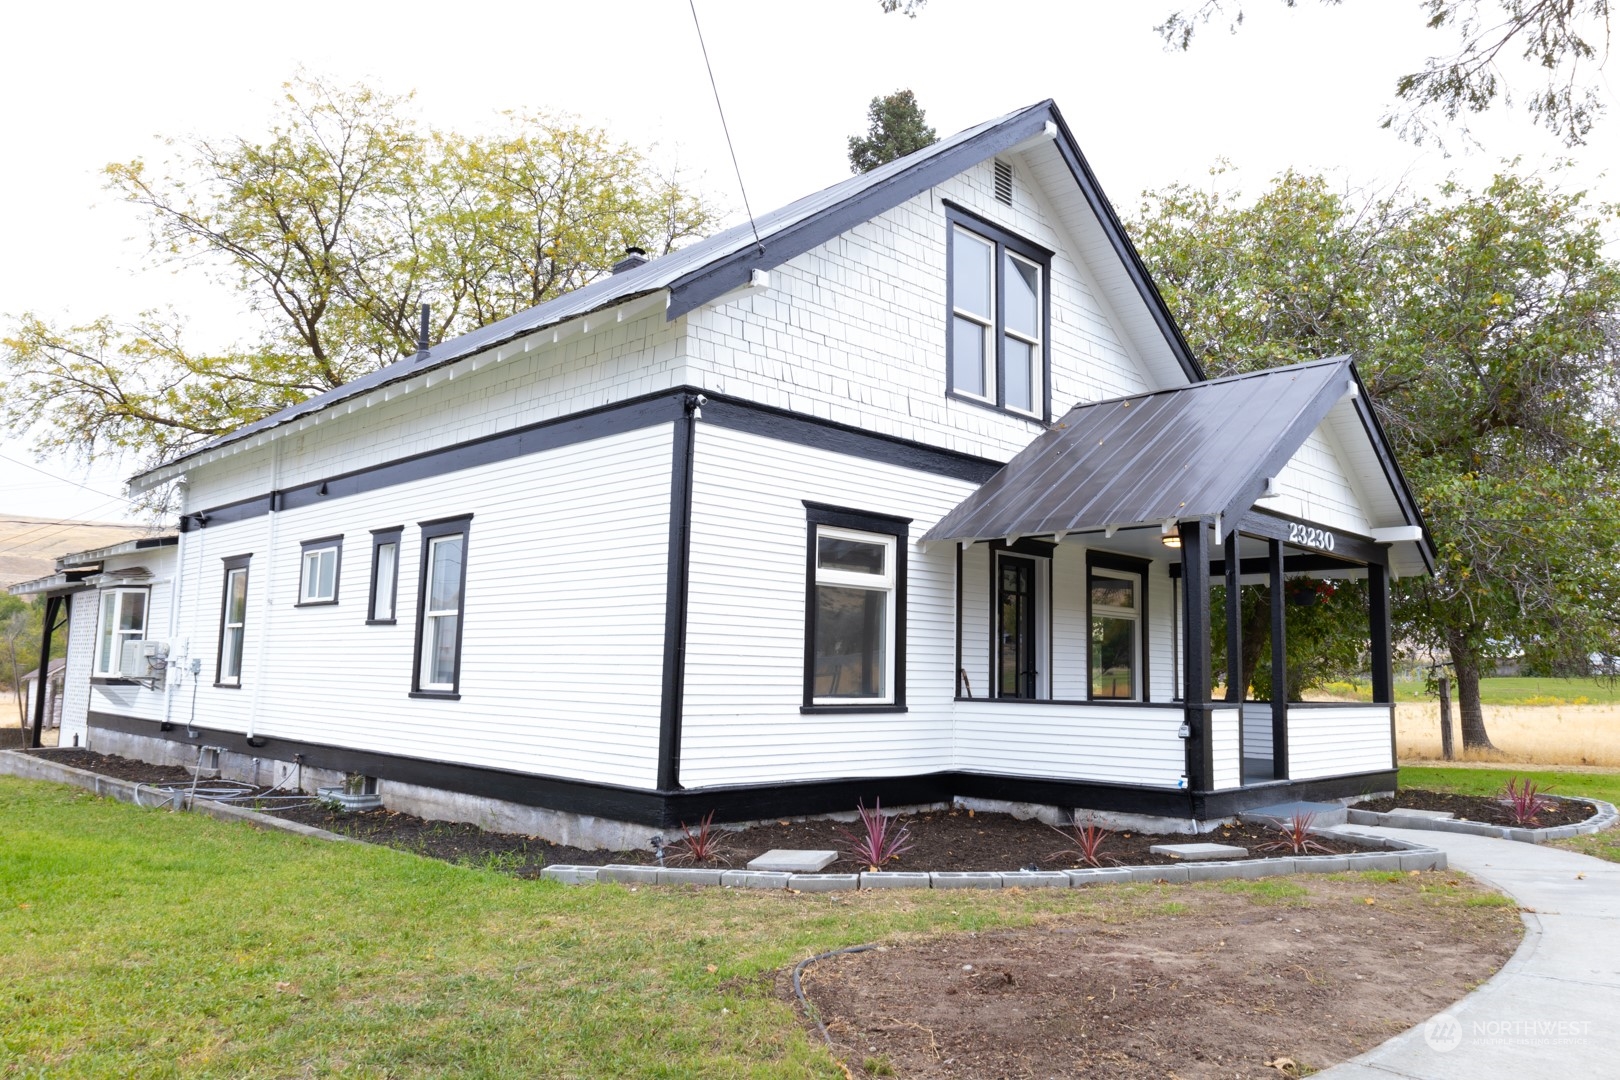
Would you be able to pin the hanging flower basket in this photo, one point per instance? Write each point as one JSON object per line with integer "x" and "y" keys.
{"x": 1310, "y": 593}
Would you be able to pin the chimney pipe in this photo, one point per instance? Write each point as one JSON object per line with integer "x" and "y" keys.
{"x": 633, "y": 257}
{"x": 422, "y": 336}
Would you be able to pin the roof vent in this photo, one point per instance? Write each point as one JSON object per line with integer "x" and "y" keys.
{"x": 1003, "y": 182}
{"x": 633, "y": 257}
{"x": 422, "y": 337}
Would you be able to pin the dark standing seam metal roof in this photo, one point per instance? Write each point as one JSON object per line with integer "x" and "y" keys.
{"x": 710, "y": 268}
{"x": 1187, "y": 453}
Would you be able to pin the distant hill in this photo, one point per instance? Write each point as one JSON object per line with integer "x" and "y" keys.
{"x": 30, "y": 546}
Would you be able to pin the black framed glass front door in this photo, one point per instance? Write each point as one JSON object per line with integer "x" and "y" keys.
{"x": 1016, "y": 672}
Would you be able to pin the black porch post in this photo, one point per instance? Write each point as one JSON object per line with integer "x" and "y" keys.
{"x": 1195, "y": 676}
{"x": 53, "y": 606}
{"x": 1279, "y": 666}
{"x": 1383, "y": 673}
{"x": 1234, "y": 622}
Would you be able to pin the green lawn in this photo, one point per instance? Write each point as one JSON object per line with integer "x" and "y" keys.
{"x": 1501, "y": 691}
{"x": 143, "y": 943}
{"x": 1590, "y": 785}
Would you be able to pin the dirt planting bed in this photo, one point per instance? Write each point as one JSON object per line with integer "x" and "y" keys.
{"x": 1198, "y": 982}
{"x": 1487, "y": 810}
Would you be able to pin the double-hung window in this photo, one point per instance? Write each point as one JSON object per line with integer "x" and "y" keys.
{"x": 440, "y": 602}
{"x": 384, "y": 575}
{"x": 998, "y": 314}
{"x": 318, "y": 580}
{"x": 855, "y": 610}
{"x": 119, "y": 632}
{"x": 232, "y": 622}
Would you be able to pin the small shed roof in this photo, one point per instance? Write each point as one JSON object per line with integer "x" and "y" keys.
{"x": 1188, "y": 453}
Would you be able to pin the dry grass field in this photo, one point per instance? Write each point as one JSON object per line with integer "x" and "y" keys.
{"x": 29, "y": 546}
{"x": 1532, "y": 734}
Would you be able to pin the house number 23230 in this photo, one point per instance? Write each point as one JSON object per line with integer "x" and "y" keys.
{"x": 1308, "y": 537}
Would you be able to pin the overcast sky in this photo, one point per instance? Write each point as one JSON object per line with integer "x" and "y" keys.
{"x": 86, "y": 84}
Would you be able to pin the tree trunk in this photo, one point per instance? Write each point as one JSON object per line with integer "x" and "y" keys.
{"x": 1465, "y": 659}
{"x": 1256, "y": 631}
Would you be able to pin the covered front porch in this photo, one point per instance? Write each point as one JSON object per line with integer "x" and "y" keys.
{"x": 1126, "y": 585}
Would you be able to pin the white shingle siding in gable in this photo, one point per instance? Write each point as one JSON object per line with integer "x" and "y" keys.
{"x": 854, "y": 330}
{"x": 563, "y": 623}
{"x": 746, "y": 618}
{"x": 1316, "y": 486}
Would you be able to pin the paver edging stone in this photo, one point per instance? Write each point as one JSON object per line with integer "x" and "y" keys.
{"x": 1604, "y": 818}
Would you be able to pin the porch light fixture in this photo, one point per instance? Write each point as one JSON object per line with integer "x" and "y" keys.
{"x": 1171, "y": 540}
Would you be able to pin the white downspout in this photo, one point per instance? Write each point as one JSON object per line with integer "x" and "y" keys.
{"x": 171, "y": 675}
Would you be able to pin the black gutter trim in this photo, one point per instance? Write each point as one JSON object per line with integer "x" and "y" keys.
{"x": 1128, "y": 255}
{"x": 666, "y": 406}
{"x": 722, "y": 275}
{"x": 752, "y": 802}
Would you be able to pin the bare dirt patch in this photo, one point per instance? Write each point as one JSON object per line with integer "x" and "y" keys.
{"x": 1481, "y": 808}
{"x": 1196, "y": 982}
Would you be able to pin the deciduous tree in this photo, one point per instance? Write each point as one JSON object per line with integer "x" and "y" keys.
{"x": 1487, "y": 327}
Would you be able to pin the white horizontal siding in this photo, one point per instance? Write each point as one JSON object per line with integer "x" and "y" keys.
{"x": 976, "y": 622}
{"x": 562, "y": 651}
{"x": 1257, "y": 730}
{"x": 1224, "y": 735}
{"x": 1338, "y": 740}
{"x": 1115, "y": 744}
{"x": 746, "y": 618}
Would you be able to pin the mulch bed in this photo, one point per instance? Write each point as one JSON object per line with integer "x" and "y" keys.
{"x": 1198, "y": 983}
{"x": 120, "y": 768}
{"x": 1485, "y": 809}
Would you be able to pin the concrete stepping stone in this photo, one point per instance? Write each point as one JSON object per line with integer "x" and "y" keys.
{"x": 1200, "y": 852}
{"x": 794, "y": 861}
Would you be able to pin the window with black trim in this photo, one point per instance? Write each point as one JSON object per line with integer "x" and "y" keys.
{"x": 996, "y": 350}
{"x": 232, "y": 622}
{"x": 384, "y": 575}
{"x": 440, "y": 604}
{"x": 318, "y": 576}
{"x": 120, "y": 629}
{"x": 855, "y": 610}
{"x": 1116, "y": 606}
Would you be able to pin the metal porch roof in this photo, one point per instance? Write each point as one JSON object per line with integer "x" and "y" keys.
{"x": 1186, "y": 453}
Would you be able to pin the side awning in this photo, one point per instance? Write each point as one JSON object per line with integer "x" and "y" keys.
{"x": 1206, "y": 451}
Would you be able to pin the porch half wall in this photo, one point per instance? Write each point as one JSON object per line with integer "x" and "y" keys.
{"x": 1115, "y": 744}
{"x": 1336, "y": 740}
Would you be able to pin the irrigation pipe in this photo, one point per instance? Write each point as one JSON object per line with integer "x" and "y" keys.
{"x": 798, "y": 987}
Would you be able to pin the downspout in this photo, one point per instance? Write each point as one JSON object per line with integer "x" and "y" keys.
{"x": 178, "y": 577}
{"x": 269, "y": 591}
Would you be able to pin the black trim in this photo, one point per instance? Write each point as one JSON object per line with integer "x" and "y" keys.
{"x": 304, "y": 548}
{"x": 1232, "y": 573}
{"x": 1124, "y": 564}
{"x": 839, "y": 517}
{"x": 228, "y": 565}
{"x": 677, "y": 595}
{"x": 753, "y": 802}
{"x": 1001, "y": 241}
{"x": 1380, "y": 642}
{"x": 1277, "y": 566}
{"x": 1294, "y": 564}
{"x": 1195, "y": 630}
{"x": 667, "y": 406}
{"x": 459, "y": 525}
{"x": 1347, "y": 546}
{"x": 117, "y": 680}
{"x": 381, "y": 538}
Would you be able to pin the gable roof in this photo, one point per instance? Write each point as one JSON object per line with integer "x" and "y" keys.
{"x": 1201, "y": 451}
{"x": 704, "y": 271}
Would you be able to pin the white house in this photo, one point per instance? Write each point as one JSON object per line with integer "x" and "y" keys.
{"x": 915, "y": 494}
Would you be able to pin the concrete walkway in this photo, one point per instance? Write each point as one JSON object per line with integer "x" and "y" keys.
{"x": 1553, "y": 1011}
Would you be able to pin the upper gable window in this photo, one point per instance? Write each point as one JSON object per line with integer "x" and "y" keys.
{"x": 996, "y": 349}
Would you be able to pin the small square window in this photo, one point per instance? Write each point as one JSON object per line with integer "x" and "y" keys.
{"x": 318, "y": 579}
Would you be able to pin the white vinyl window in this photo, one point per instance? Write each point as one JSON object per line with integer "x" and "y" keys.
{"x": 119, "y": 631}
{"x": 232, "y": 624}
{"x": 1116, "y": 635}
{"x": 384, "y": 576}
{"x": 444, "y": 560}
{"x": 854, "y": 617}
{"x": 318, "y": 580}
{"x": 998, "y": 319}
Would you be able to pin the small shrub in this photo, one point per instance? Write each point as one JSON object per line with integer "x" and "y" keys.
{"x": 1524, "y": 802}
{"x": 704, "y": 845}
{"x": 1088, "y": 840}
{"x": 876, "y": 844}
{"x": 1296, "y": 837}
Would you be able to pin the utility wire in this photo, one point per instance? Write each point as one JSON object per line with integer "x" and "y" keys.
{"x": 723, "y": 126}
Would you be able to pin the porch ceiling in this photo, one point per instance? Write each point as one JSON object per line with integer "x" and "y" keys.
{"x": 1181, "y": 454}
